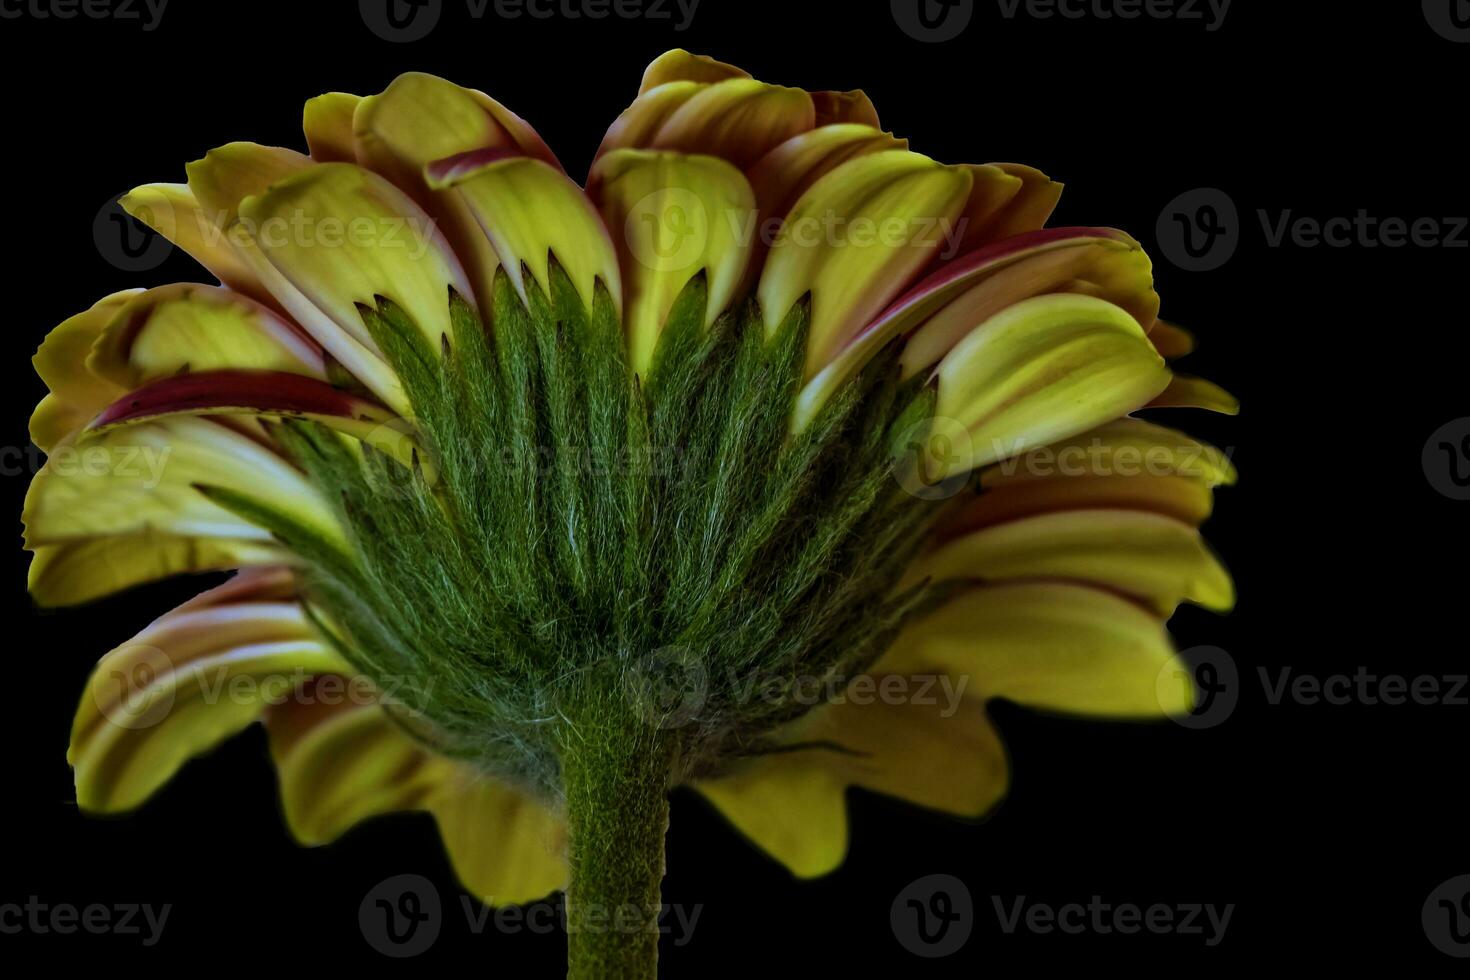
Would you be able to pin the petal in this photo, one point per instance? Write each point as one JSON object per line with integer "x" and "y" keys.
{"x": 76, "y": 394}
{"x": 1043, "y": 370}
{"x": 902, "y": 198}
{"x": 341, "y": 761}
{"x": 145, "y": 477}
{"x": 172, "y": 211}
{"x": 739, "y": 120}
{"x": 790, "y": 805}
{"x": 1004, "y": 209}
{"x": 949, "y": 303}
{"x": 531, "y": 212}
{"x": 335, "y": 237}
{"x": 681, "y": 66}
{"x": 1057, "y": 646}
{"x": 1188, "y": 392}
{"x": 1172, "y": 342}
{"x": 834, "y": 108}
{"x": 789, "y": 170}
{"x": 674, "y": 217}
{"x": 1145, "y": 555}
{"x": 942, "y": 754}
{"x": 523, "y": 856}
{"x": 327, "y": 122}
{"x": 228, "y": 174}
{"x": 272, "y": 393}
{"x": 638, "y": 125}
{"x": 80, "y": 571}
{"x": 181, "y": 686}
{"x": 189, "y": 327}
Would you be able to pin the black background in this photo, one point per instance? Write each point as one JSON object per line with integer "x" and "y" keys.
{"x": 1327, "y": 826}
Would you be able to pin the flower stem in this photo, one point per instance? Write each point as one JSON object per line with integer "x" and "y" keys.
{"x": 616, "y": 785}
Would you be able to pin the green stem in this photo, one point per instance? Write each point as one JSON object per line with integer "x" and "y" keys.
{"x": 616, "y": 786}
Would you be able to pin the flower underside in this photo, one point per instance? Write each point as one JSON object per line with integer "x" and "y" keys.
{"x": 586, "y": 490}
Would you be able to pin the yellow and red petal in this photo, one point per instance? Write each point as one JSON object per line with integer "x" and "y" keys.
{"x": 80, "y": 571}
{"x": 76, "y": 393}
{"x": 190, "y": 680}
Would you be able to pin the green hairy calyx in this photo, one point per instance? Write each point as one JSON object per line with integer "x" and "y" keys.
{"x": 580, "y": 553}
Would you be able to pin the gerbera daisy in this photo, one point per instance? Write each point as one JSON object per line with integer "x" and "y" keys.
{"x": 549, "y": 498}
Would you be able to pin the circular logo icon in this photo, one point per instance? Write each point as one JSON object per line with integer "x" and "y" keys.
{"x": 668, "y": 230}
{"x": 1207, "y": 679}
{"x": 1449, "y": 18}
{"x": 933, "y": 916}
{"x": 1199, "y": 230}
{"x": 400, "y": 917}
{"x": 131, "y": 689}
{"x": 933, "y": 21}
{"x": 130, "y": 244}
{"x": 411, "y": 465}
{"x": 669, "y": 686}
{"x": 1446, "y": 459}
{"x": 401, "y": 21}
{"x": 1446, "y": 917}
{"x": 929, "y": 449}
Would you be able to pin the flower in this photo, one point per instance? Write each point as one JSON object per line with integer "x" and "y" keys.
{"x": 546, "y": 499}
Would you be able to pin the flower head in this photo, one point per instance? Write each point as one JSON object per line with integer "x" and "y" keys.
{"x": 759, "y": 464}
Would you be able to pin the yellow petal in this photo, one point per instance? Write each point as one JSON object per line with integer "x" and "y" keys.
{"x": 227, "y": 175}
{"x": 1180, "y": 497}
{"x": 1057, "y": 646}
{"x": 739, "y": 120}
{"x": 1188, "y": 392}
{"x": 188, "y": 327}
{"x": 1172, "y": 342}
{"x": 1147, "y": 555}
{"x": 190, "y": 680}
{"x": 834, "y": 108}
{"x": 144, "y": 477}
{"x": 938, "y": 751}
{"x": 80, "y": 571}
{"x": 1124, "y": 447}
{"x": 173, "y": 212}
{"x": 674, "y": 217}
{"x": 341, "y": 761}
{"x": 327, "y": 122}
{"x": 1043, "y": 370}
{"x": 506, "y": 847}
{"x": 638, "y": 125}
{"x": 681, "y": 66}
{"x": 789, "y": 170}
{"x": 335, "y": 237}
{"x": 854, "y": 239}
{"x": 530, "y": 212}
{"x": 76, "y": 393}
